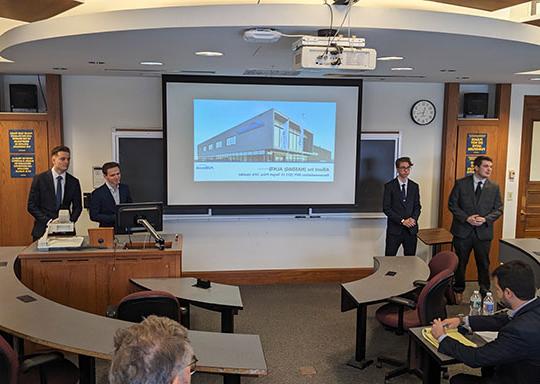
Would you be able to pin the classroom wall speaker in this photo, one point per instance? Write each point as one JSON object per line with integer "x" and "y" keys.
{"x": 475, "y": 104}
{"x": 23, "y": 96}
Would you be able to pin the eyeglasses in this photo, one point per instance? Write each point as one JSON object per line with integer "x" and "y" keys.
{"x": 405, "y": 168}
{"x": 193, "y": 365}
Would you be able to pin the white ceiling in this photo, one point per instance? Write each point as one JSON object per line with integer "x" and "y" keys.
{"x": 475, "y": 48}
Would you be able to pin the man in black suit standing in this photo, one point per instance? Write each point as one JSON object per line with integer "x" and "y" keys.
{"x": 105, "y": 198}
{"x": 401, "y": 203}
{"x": 475, "y": 203}
{"x": 53, "y": 190}
{"x": 515, "y": 353}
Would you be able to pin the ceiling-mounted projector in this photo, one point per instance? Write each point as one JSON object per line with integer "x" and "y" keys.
{"x": 338, "y": 52}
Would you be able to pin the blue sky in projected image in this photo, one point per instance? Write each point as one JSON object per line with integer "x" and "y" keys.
{"x": 211, "y": 117}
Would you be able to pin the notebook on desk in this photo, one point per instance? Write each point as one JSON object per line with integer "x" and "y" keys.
{"x": 453, "y": 333}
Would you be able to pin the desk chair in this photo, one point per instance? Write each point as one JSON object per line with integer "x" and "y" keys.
{"x": 441, "y": 261}
{"x": 136, "y": 306}
{"x": 45, "y": 368}
{"x": 403, "y": 313}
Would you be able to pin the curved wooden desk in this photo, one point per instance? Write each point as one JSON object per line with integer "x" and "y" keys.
{"x": 91, "y": 336}
{"x": 526, "y": 250}
{"x": 219, "y": 297}
{"x": 393, "y": 276}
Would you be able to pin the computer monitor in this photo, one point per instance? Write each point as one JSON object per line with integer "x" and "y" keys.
{"x": 128, "y": 215}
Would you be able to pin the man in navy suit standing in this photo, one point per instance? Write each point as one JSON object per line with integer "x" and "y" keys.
{"x": 53, "y": 190}
{"x": 105, "y": 198}
{"x": 475, "y": 203}
{"x": 401, "y": 204}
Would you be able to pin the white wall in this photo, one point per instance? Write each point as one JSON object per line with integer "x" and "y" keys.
{"x": 93, "y": 106}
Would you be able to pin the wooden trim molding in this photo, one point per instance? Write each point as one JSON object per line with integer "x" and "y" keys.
{"x": 54, "y": 111}
{"x": 282, "y": 276}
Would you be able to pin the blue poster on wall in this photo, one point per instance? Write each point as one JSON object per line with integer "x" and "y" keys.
{"x": 476, "y": 144}
{"x": 21, "y": 141}
{"x": 22, "y": 165}
{"x": 469, "y": 165}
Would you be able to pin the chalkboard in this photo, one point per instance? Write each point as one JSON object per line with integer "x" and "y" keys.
{"x": 378, "y": 153}
{"x": 141, "y": 159}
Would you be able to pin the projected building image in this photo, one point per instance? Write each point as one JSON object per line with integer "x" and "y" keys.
{"x": 268, "y": 137}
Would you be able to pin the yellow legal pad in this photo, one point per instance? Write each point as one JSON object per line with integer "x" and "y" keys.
{"x": 453, "y": 333}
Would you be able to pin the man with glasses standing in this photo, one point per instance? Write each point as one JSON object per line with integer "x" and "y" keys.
{"x": 475, "y": 203}
{"x": 401, "y": 204}
{"x": 156, "y": 351}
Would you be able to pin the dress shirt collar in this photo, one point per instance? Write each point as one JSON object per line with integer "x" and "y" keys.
{"x": 402, "y": 181}
{"x": 478, "y": 179}
{"x": 513, "y": 312}
{"x": 111, "y": 188}
{"x": 55, "y": 175}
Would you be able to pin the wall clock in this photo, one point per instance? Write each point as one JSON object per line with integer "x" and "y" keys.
{"x": 423, "y": 112}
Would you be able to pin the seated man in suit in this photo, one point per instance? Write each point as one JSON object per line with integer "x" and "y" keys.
{"x": 53, "y": 190}
{"x": 515, "y": 353}
{"x": 155, "y": 351}
{"x": 401, "y": 204}
{"x": 105, "y": 198}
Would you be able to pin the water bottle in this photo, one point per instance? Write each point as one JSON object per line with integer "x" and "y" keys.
{"x": 489, "y": 304}
{"x": 475, "y": 304}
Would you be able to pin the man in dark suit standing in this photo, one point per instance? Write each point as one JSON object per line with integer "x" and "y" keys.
{"x": 105, "y": 198}
{"x": 475, "y": 203}
{"x": 53, "y": 190}
{"x": 401, "y": 203}
{"x": 515, "y": 353}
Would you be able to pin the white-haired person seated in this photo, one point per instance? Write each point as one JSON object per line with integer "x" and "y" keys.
{"x": 156, "y": 351}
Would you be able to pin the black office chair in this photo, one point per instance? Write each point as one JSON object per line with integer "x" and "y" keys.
{"x": 403, "y": 313}
{"x": 43, "y": 368}
{"x": 139, "y": 305}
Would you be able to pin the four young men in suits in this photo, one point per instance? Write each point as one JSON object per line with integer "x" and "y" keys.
{"x": 515, "y": 353}
{"x": 401, "y": 204}
{"x": 105, "y": 198}
{"x": 475, "y": 203}
{"x": 53, "y": 190}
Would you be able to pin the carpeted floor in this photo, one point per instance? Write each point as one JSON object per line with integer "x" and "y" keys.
{"x": 305, "y": 336}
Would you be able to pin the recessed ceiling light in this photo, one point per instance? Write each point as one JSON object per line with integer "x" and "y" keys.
{"x": 151, "y": 63}
{"x": 402, "y": 69}
{"x": 389, "y": 58}
{"x": 535, "y": 79}
{"x": 209, "y": 53}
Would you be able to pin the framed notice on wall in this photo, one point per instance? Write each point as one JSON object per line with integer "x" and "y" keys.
{"x": 22, "y": 157}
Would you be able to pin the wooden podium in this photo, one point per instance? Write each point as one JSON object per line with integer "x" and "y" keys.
{"x": 90, "y": 279}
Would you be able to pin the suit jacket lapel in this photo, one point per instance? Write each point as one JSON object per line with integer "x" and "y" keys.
{"x": 49, "y": 183}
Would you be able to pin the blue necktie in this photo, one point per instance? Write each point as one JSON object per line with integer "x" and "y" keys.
{"x": 403, "y": 193}
{"x": 58, "y": 192}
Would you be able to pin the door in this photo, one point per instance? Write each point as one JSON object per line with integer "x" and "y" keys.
{"x": 528, "y": 212}
{"x": 26, "y": 141}
{"x": 468, "y": 131}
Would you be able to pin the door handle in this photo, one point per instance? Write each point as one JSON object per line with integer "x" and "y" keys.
{"x": 523, "y": 213}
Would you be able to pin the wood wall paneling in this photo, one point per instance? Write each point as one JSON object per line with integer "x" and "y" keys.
{"x": 34, "y": 10}
{"x": 486, "y": 5}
